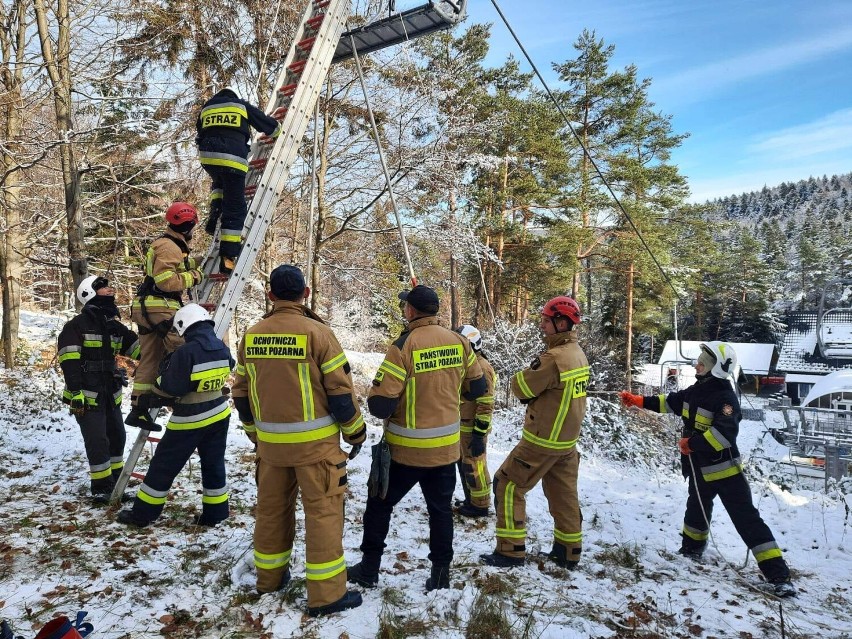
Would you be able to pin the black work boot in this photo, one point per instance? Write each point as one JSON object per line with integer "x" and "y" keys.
{"x": 129, "y": 518}
{"x": 363, "y": 575}
{"x": 783, "y": 588}
{"x": 501, "y": 561}
{"x": 466, "y": 509}
{"x": 691, "y": 552}
{"x": 140, "y": 415}
{"x": 352, "y": 599}
{"x": 559, "y": 556}
{"x": 440, "y": 578}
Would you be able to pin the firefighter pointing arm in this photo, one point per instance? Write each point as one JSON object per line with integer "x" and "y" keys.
{"x": 711, "y": 461}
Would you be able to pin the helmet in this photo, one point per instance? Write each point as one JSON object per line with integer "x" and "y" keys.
{"x": 472, "y": 334}
{"x": 725, "y": 356}
{"x": 562, "y": 306}
{"x": 189, "y": 315}
{"x": 181, "y": 212}
{"x": 232, "y": 89}
{"x": 88, "y": 288}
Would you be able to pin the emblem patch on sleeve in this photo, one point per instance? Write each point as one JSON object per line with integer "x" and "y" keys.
{"x": 535, "y": 364}
{"x": 727, "y": 409}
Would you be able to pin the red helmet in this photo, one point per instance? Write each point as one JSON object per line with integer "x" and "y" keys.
{"x": 181, "y": 212}
{"x": 562, "y": 306}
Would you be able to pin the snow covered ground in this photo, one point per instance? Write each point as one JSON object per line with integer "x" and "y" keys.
{"x": 59, "y": 553}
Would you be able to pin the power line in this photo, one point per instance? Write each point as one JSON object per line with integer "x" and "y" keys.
{"x": 583, "y": 147}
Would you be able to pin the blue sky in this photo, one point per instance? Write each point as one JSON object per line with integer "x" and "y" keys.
{"x": 763, "y": 87}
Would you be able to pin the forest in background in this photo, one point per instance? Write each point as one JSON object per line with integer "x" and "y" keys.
{"x": 502, "y": 207}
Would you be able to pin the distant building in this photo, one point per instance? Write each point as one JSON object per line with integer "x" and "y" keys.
{"x": 802, "y": 360}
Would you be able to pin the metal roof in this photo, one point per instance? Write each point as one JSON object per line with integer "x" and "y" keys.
{"x": 799, "y": 352}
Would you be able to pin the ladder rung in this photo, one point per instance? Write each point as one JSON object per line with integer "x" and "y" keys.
{"x": 321, "y": 4}
{"x": 279, "y": 113}
{"x": 297, "y": 67}
{"x": 306, "y": 44}
{"x": 218, "y": 277}
{"x": 251, "y": 190}
{"x": 315, "y": 22}
{"x": 259, "y": 163}
{"x": 265, "y": 139}
{"x": 153, "y": 440}
{"x": 208, "y": 306}
{"x": 140, "y": 476}
{"x": 288, "y": 89}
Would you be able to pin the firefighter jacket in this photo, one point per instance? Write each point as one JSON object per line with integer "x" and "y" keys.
{"x": 481, "y": 408}
{"x": 223, "y": 130}
{"x": 417, "y": 389}
{"x": 87, "y": 346}
{"x": 293, "y": 388}
{"x": 195, "y": 374}
{"x": 711, "y": 416}
{"x": 554, "y": 389}
{"x": 169, "y": 271}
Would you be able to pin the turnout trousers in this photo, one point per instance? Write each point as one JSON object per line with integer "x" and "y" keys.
{"x": 437, "y": 484}
{"x": 153, "y": 348}
{"x": 171, "y": 456}
{"x": 323, "y": 486}
{"x": 735, "y": 495}
{"x": 228, "y": 197}
{"x": 523, "y": 469}
{"x": 476, "y": 480}
{"x": 104, "y": 438}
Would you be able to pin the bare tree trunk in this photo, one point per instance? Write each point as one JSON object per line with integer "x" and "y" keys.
{"x": 11, "y": 260}
{"x": 455, "y": 303}
{"x": 322, "y": 208}
{"x": 58, "y": 68}
{"x": 496, "y": 289}
{"x": 629, "y": 358}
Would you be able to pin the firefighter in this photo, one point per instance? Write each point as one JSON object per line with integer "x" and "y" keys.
{"x": 416, "y": 392}
{"x": 711, "y": 461}
{"x": 223, "y": 137}
{"x": 295, "y": 397}
{"x": 475, "y": 426}
{"x": 169, "y": 271}
{"x": 191, "y": 380}
{"x": 87, "y": 346}
{"x": 554, "y": 389}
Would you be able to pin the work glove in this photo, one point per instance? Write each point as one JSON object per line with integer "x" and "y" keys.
{"x": 211, "y": 224}
{"x": 198, "y": 276}
{"x": 477, "y": 444}
{"x": 629, "y": 399}
{"x": 120, "y": 375}
{"x": 77, "y": 405}
{"x": 353, "y": 452}
{"x": 276, "y": 132}
{"x": 683, "y": 446}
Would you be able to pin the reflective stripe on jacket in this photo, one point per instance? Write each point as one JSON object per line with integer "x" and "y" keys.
{"x": 172, "y": 271}
{"x": 427, "y": 368}
{"x": 294, "y": 372}
{"x": 481, "y": 408}
{"x": 195, "y": 373}
{"x": 711, "y": 418}
{"x": 86, "y": 350}
{"x": 555, "y": 387}
{"x": 224, "y": 120}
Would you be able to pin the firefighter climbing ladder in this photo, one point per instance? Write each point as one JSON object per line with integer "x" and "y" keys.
{"x": 319, "y": 41}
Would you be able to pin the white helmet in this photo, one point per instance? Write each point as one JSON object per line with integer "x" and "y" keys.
{"x": 189, "y": 315}
{"x": 232, "y": 89}
{"x": 472, "y": 334}
{"x": 88, "y": 288}
{"x": 726, "y": 359}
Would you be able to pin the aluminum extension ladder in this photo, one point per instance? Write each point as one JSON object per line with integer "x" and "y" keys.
{"x": 292, "y": 103}
{"x": 319, "y": 42}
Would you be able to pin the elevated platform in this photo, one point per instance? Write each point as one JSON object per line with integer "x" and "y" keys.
{"x": 413, "y": 23}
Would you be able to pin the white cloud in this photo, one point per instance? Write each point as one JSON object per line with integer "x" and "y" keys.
{"x": 827, "y": 135}
{"x": 693, "y": 84}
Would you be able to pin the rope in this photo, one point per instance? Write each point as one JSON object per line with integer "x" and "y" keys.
{"x": 268, "y": 45}
{"x": 585, "y": 150}
{"x": 383, "y": 162}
